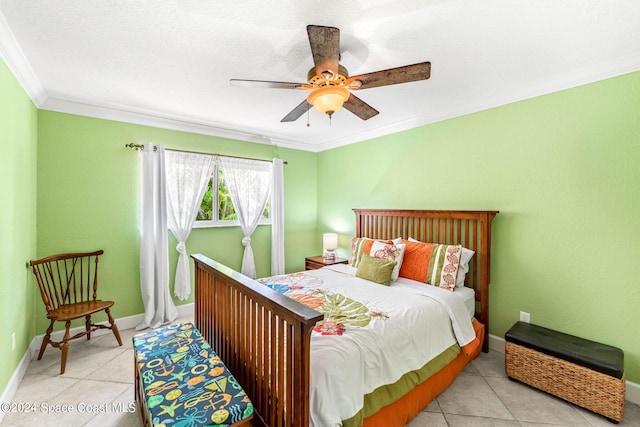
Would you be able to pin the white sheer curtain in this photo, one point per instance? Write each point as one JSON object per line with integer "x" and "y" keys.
{"x": 277, "y": 218}
{"x": 187, "y": 177}
{"x": 154, "y": 253}
{"x": 249, "y": 184}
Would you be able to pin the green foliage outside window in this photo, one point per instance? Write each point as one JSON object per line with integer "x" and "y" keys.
{"x": 226, "y": 211}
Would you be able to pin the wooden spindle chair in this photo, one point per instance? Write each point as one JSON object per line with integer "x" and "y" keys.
{"x": 69, "y": 288}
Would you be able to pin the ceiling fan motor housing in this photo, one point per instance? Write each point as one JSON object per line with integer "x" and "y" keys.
{"x": 320, "y": 80}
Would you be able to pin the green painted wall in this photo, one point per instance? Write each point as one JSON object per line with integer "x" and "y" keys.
{"x": 564, "y": 172}
{"x": 88, "y": 199}
{"x": 562, "y": 169}
{"x": 18, "y": 139}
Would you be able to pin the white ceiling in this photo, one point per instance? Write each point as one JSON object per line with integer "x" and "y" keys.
{"x": 168, "y": 63}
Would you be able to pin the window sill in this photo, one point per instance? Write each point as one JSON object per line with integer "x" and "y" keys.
{"x": 219, "y": 224}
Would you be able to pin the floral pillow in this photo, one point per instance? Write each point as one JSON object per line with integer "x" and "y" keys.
{"x": 390, "y": 252}
{"x": 431, "y": 263}
{"x": 359, "y": 246}
{"x": 465, "y": 258}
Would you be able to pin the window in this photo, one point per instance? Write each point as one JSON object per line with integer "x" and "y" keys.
{"x": 216, "y": 209}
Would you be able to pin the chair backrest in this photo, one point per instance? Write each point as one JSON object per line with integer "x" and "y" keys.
{"x": 67, "y": 278}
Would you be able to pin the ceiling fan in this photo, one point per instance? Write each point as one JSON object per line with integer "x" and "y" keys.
{"x": 330, "y": 83}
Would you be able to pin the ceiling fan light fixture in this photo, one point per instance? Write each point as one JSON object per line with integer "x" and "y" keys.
{"x": 328, "y": 99}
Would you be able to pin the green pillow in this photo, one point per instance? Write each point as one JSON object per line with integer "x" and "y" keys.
{"x": 375, "y": 269}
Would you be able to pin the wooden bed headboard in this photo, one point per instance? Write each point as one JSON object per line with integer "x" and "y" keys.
{"x": 264, "y": 338}
{"x": 471, "y": 229}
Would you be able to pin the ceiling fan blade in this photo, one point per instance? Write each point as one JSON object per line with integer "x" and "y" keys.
{"x": 267, "y": 84}
{"x": 392, "y": 76}
{"x": 360, "y": 108}
{"x": 297, "y": 112}
{"x": 325, "y": 47}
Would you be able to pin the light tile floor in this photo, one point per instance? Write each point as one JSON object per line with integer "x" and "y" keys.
{"x": 97, "y": 389}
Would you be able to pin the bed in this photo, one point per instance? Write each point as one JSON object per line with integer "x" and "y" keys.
{"x": 265, "y": 337}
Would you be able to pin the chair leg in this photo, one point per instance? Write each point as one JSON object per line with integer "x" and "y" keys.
{"x": 45, "y": 340}
{"x": 64, "y": 347}
{"x": 88, "y": 326}
{"x": 114, "y": 327}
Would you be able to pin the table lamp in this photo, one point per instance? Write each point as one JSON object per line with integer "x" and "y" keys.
{"x": 330, "y": 244}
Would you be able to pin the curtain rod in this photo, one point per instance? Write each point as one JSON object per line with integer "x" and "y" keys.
{"x": 140, "y": 147}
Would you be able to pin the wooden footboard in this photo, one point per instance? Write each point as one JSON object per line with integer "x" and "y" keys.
{"x": 262, "y": 336}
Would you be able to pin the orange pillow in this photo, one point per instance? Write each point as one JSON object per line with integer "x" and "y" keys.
{"x": 431, "y": 263}
{"x": 415, "y": 264}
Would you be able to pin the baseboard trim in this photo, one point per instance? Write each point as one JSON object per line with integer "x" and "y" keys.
{"x": 496, "y": 343}
{"x": 632, "y": 393}
{"x": 15, "y": 380}
{"x": 129, "y": 322}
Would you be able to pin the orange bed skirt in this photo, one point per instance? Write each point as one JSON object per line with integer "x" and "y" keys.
{"x": 403, "y": 410}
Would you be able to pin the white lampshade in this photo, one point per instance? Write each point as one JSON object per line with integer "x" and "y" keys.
{"x": 330, "y": 244}
{"x": 330, "y": 241}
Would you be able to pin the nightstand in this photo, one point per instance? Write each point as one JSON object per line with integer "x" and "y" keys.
{"x": 316, "y": 262}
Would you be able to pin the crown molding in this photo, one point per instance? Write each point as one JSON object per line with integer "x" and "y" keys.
{"x": 591, "y": 74}
{"x": 586, "y": 75}
{"x": 12, "y": 55}
{"x": 153, "y": 119}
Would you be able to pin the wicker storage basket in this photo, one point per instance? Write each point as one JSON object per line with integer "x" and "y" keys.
{"x": 599, "y": 392}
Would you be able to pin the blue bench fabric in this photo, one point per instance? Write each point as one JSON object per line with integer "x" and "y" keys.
{"x": 184, "y": 380}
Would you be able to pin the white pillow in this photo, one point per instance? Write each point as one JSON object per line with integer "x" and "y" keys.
{"x": 463, "y": 269}
{"x": 389, "y": 252}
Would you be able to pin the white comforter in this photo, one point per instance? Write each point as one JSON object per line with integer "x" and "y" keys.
{"x": 374, "y": 334}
